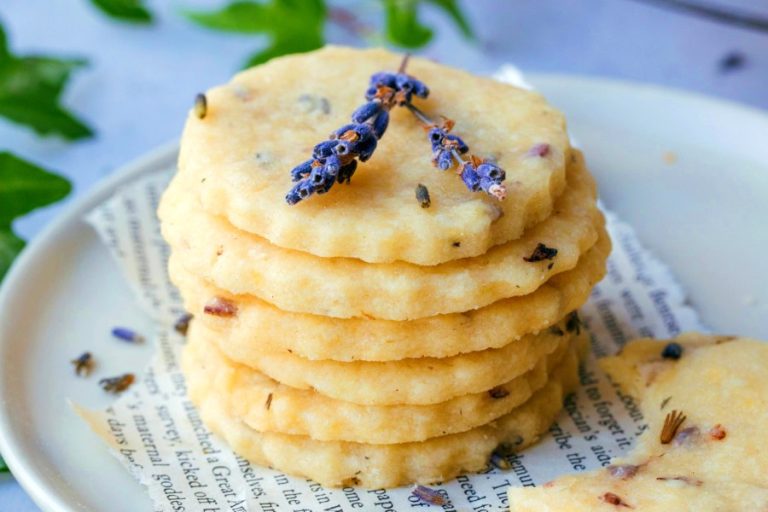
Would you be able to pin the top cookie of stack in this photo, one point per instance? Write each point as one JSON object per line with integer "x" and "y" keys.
{"x": 358, "y": 338}
{"x": 268, "y": 119}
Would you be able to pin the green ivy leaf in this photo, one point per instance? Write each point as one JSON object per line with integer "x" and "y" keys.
{"x": 293, "y": 26}
{"x": 3, "y": 465}
{"x": 245, "y": 17}
{"x": 403, "y": 27}
{"x": 30, "y": 88}
{"x": 452, "y": 9}
{"x": 23, "y": 187}
{"x": 132, "y": 11}
{"x": 10, "y": 247}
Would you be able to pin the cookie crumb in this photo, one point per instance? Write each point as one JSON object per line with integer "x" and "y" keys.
{"x": 427, "y": 495}
{"x": 219, "y": 306}
{"x": 614, "y": 499}
{"x": 540, "y": 150}
{"x": 623, "y": 471}
{"x": 717, "y": 432}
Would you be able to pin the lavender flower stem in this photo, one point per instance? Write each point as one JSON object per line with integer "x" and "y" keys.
{"x": 420, "y": 115}
{"x": 404, "y": 63}
{"x": 457, "y": 156}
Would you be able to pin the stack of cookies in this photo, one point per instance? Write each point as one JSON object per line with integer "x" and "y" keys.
{"x": 366, "y": 336}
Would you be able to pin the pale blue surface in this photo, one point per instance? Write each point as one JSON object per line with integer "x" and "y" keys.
{"x": 141, "y": 80}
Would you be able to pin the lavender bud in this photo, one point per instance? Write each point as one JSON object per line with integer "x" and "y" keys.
{"x": 318, "y": 176}
{"x": 366, "y": 112}
{"x": 301, "y": 171}
{"x": 341, "y": 131}
{"x": 326, "y": 184}
{"x": 443, "y": 159}
{"x": 343, "y": 148}
{"x": 491, "y": 171}
{"x": 420, "y": 89}
{"x": 436, "y": 138}
{"x": 324, "y": 149}
{"x": 365, "y": 148}
{"x": 470, "y": 177}
{"x": 332, "y": 165}
{"x": 403, "y": 82}
{"x": 456, "y": 142}
{"x": 346, "y": 172}
{"x": 493, "y": 188}
{"x": 380, "y": 124}
{"x": 383, "y": 78}
{"x": 201, "y": 106}
{"x": 126, "y": 334}
{"x": 182, "y": 324}
{"x": 301, "y": 190}
{"x": 422, "y": 196}
{"x": 410, "y": 86}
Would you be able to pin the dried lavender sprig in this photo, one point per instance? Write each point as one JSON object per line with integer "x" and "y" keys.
{"x": 447, "y": 148}
{"x": 335, "y": 160}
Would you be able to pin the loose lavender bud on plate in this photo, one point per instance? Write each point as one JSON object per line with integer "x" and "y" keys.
{"x": 83, "y": 363}
{"x": 182, "y": 324}
{"x": 126, "y": 334}
{"x": 117, "y": 384}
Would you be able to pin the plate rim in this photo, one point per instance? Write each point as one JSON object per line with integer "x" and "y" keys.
{"x": 32, "y": 481}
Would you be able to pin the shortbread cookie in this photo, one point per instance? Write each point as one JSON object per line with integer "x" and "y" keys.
{"x": 259, "y": 326}
{"x": 657, "y": 486}
{"x": 268, "y": 119}
{"x": 715, "y": 460}
{"x": 342, "y": 287}
{"x": 418, "y": 381}
{"x": 268, "y": 406}
{"x": 340, "y": 463}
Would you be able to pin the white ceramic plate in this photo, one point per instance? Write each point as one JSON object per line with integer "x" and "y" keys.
{"x": 705, "y": 214}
